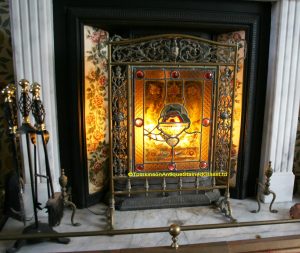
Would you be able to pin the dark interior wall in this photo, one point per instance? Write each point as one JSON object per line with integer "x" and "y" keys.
{"x": 137, "y": 18}
{"x": 6, "y": 76}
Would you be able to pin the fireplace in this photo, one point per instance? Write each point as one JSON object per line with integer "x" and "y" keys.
{"x": 164, "y": 84}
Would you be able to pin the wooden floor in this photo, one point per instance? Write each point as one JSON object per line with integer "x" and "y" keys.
{"x": 282, "y": 244}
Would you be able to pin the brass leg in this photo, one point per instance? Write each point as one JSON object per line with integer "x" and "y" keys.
{"x": 225, "y": 208}
{"x": 110, "y": 213}
{"x": 258, "y": 203}
{"x": 230, "y": 211}
{"x": 73, "y": 207}
{"x": 273, "y": 199}
{"x": 111, "y": 218}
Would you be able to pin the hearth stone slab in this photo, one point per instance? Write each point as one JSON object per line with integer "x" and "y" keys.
{"x": 184, "y": 200}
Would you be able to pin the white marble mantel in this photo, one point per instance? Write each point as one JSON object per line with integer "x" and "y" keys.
{"x": 33, "y": 53}
{"x": 33, "y": 47}
{"x": 282, "y": 97}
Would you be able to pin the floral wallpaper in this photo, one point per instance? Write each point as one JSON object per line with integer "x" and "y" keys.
{"x": 236, "y": 37}
{"x": 6, "y": 76}
{"x": 96, "y": 106}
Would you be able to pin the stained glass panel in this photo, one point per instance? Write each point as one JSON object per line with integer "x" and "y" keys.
{"x": 163, "y": 96}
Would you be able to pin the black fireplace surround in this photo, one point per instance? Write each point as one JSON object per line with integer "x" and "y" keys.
{"x": 133, "y": 19}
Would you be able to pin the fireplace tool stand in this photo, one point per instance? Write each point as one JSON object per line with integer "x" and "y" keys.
{"x": 55, "y": 201}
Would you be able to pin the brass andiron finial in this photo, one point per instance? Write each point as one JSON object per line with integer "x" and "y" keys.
{"x": 266, "y": 190}
{"x": 174, "y": 231}
{"x": 25, "y": 107}
{"x": 37, "y": 107}
{"x": 63, "y": 181}
{"x": 10, "y": 108}
{"x": 25, "y": 101}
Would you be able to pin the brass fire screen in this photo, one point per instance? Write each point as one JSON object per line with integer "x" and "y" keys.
{"x": 172, "y": 99}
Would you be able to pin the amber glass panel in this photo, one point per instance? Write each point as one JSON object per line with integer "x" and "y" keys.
{"x": 139, "y": 114}
{"x": 157, "y": 88}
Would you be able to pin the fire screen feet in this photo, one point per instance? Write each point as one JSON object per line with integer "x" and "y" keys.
{"x": 224, "y": 206}
{"x": 41, "y": 228}
{"x": 110, "y": 213}
{"x": 265, "y": 190}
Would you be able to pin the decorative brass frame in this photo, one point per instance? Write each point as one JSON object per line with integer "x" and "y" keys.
{"x": 173, "y": 50}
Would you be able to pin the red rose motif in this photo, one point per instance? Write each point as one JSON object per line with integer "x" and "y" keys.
{"x": 237, "y": 37}
{"x": 97, "y": 167}
{"x": 102, "y": 80}
{"x": 98, "y": 37}
{"x": 105, "y": 151}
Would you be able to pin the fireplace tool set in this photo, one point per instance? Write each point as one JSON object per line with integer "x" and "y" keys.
{"x": 55, "y": 203}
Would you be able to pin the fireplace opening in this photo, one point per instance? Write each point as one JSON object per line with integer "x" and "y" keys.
{"x": 167, "y": 117}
